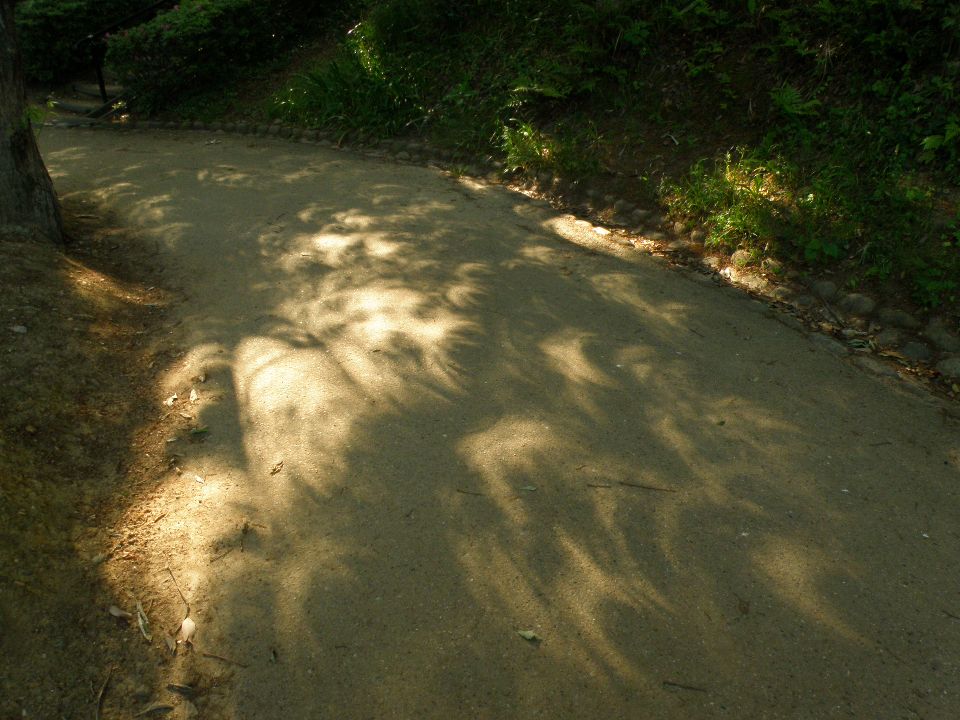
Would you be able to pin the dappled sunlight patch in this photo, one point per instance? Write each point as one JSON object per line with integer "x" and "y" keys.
{"x": 798, "y": 571}
{"x": 295, "y": 399}
{"x": 513, "y": 451}
{"x": 565, "y": 353}
{"x": 224, "y": 175}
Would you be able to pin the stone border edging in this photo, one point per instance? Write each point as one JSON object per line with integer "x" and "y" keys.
{"x": 849, "y": 324}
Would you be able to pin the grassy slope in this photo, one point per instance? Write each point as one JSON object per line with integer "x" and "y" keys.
{"x": 823, "y": 136}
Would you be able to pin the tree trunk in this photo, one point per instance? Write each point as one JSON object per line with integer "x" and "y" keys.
{"x": 27, "y": 199}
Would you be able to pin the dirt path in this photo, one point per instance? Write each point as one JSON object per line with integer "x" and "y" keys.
{"x": 432, "y": 414}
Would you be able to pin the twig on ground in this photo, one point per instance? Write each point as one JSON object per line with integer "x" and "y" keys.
{"x": 469, "y": 492}
{"x": 103, "y": 689}
{"x": 223, "y": 659}
{"x": 177, "y": 585}
{"x": 222, "y": 555}
{"x": 681, "y": 686}
{"x": 598, "y": 485}
{"x": 646, "y": 487}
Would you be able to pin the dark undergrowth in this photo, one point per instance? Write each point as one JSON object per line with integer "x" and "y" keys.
{"x": 823, "y": 134}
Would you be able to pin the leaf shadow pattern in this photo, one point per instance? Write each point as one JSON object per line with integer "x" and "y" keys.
{"x": 491, "y": 422}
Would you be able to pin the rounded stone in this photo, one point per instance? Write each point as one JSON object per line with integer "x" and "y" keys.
{"x": 939, "y": 334}
{"x": 199, "y": 125}
{"x": 741, "y": 258}
{"x": 898, "y": 318}
{"x": 858, "y": 304}
{"x": 917, "y": 351}
{"x": 622, "y": 206}
{"x": 229, "y": 127}
{"x": 171, "y": 125}
{"x": 697, "y": 236}
{"x": 274, "y": 130}
{"x": 403, "y": 155}
{"x": 888, "y": 338}
{"x": 950, "y": 367}
{"x": 640, "y": 214}
{"x": 215, "y": 126}
{"x": 772, "y": 265}
{"x": 783, "y": 294}
{"x": 825, "y": 289}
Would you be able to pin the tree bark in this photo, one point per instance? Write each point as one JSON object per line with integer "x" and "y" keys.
{"x": 27, "y": 199}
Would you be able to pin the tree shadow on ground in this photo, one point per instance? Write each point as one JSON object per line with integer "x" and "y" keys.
{"x": 490, "y": 422}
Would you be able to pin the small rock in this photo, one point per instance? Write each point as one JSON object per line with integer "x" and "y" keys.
{"x": 19, "y": 329}
{"x": 622, "y": 206}
{"x": 697, "y": 236}
{"x": 711, "y": 262}
{"x": 825, "y": 289}
{"x": 656, "y": 236}
{"x": 858, "y": 304}
{"x": 899, "y": 318}
{"x": 679, "y": 228}
{"x": 403, "y": 155}
{"x": 888, "y": 338}
{"x": 772, "y": 265}
{"x": 804, "y": 301}
{"x": 677, "y": 246}
{"x": 741, "y": 258}
{"x": 917, "y": 351}
{"x": 938, "y": 333}
{"x": 215, "y": 126}
{"x": 198, "y": 125}
{"x": 950, "y": 367}
{"x": 783, "y": 294}
{"x": 640, "y": 214}
{"x": 274, "y": 130}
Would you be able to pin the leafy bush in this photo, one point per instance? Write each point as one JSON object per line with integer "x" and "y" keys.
{"x": 49, "y": 30}
{"x": 200, "y": 40}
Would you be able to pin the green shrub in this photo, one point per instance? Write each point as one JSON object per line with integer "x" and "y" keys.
{"x": 48, "y": 31}
{"x": 199, "y": 41}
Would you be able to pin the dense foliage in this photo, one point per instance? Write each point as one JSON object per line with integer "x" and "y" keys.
{"x": 846, "y": 112}
{"x": 821, "y": 132}
{"x": 49, "y": 30}
{"x": 198, "y": 41}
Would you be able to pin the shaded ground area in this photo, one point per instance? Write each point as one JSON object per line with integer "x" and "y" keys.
{"x": 78, "y": 344}
{"x": 416, "y": 416}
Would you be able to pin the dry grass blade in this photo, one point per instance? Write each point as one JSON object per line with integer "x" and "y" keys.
{"x": 103, "y": 689}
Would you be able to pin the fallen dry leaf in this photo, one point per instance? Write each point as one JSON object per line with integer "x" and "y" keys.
{"x": 119, "y": 612}
{"x": 188, "y": 628}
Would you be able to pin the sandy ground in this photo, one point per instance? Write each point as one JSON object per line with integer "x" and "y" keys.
{"x": 431, "y": 415}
